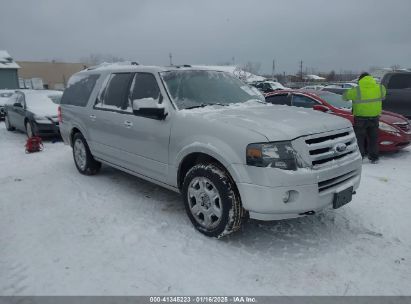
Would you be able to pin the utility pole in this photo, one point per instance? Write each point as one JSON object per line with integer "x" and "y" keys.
{"x": 171, "y": 58}
{"x": 301, "y": 70}
{"x": 273, "y": 71}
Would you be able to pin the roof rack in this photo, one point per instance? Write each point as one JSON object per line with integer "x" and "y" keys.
{"x": 181, "y": 66}
{"x": 107, "y": 64}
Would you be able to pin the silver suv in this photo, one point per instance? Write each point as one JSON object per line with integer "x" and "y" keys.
{"x": 209, "y": 136}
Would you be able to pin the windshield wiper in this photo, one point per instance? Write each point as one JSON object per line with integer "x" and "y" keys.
{"x": 257, "y": 100}
{"x": 205, "y": 105}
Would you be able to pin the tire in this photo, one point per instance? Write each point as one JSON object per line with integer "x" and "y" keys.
{"x": 83, "y": 159}
{"x": 211, "y": 201}
{"x": 29, "y": 129}
{"x": 9, "y": 127}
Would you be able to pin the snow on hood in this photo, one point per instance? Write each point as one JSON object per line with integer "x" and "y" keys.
{"x": 40, "y": 104}
{"x": 276, "y": 122}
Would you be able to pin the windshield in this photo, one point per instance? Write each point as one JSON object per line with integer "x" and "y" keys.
{"x": 198, "y": 88}
{"x": 56, "y": 98}
{"x": 335, "y": 100}
{"x": 41, "y": 104}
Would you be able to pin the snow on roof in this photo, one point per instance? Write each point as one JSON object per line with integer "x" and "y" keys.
{"x": 235, "y": 70}
{"x": 6, "y": 62}
{"x": 314, "y": 77}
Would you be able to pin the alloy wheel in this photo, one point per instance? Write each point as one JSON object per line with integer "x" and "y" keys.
{"x": 80, "y": 155}
{"x": 205, "y": 202}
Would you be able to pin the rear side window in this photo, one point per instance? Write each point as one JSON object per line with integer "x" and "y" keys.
{"x": 79, "y": 90}
{"x": 283, "y": 99}
{"x": 400, "y": 81}
{"x": 115, "y": 95}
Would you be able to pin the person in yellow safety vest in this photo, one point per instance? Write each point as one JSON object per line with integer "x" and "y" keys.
{"x": 367, "y": 100}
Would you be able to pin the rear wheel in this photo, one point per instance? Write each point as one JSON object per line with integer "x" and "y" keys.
{"x": 83, "y": 159}
{"x": 211, "y": 201}
{"x": 9, "y": 127}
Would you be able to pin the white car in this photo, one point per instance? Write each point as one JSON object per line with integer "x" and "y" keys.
{"x": 269, "y": 86}
{"x": 212, "y": 138}
{"x": 313, "y": 87}
{"x": 4, "y": 97}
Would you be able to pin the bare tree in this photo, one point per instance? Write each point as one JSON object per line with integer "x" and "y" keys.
{"x": 96, "y": 58}
{"x": 331, "y": 76}
{"x": 252, "y": 67}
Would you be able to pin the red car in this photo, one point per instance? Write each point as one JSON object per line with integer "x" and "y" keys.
{"x": 395, "y": 129}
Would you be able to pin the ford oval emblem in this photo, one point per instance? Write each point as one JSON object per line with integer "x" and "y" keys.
{"x": 339, "y": 148}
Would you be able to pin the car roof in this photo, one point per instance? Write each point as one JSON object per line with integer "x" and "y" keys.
{"x": 134, "y": 67}
{"x": 317, "y": 93}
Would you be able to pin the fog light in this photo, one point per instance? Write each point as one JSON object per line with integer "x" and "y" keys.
{"x": 286, "y": 197}
{"x": 386, "y": 143}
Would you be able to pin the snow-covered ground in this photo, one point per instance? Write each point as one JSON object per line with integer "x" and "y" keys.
{"x": 113, "y": 234}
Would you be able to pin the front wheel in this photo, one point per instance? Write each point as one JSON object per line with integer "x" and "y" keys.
{"x": 83, "y": 159}
{"x": 29, "y": 129}
{"x": 9, "y": 127}
{"x": 211, "y": 201}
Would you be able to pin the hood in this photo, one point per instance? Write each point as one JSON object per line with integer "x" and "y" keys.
{"x": 367, "y": 82}
{"x": 275, "y": 122}
{"x": 391, "y": 117}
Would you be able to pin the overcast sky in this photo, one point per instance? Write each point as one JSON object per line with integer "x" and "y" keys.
{"x": 325, "y": 34}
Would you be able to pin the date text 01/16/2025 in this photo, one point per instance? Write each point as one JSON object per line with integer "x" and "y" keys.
{"x": 202, "y": 299}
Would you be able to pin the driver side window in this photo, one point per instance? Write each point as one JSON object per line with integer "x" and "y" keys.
{"x": 144, "y": 86}
{"x": 20, "y": 99}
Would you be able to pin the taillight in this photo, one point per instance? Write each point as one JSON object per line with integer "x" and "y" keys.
{"x": 59, "y": 115}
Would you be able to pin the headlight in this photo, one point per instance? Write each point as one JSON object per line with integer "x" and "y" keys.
{"x": 387, "y": 128}
{"x": 42, "y": 120}
{"x": 276, "y": 154}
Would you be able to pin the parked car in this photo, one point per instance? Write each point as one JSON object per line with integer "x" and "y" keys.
{"x": 313, "y": 87}
{"x": 335, "y": 90}
{"x": 268, "y": 86}
{"x": 33, "y": 112}
{"x": 339, "y": 88}
{"x": 212, "y": 138}
{"x": 398, "y": 85}
{"x": 4, "y": 97}
{"x": 395, "y": 130}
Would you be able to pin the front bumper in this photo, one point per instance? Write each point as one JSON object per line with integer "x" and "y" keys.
{"x": 388, "y": 142}
{"x": 262, "y": 189}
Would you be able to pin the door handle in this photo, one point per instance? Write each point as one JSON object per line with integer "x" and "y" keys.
{"x": 93, "y": 117}
{"x": 128, "y": 124}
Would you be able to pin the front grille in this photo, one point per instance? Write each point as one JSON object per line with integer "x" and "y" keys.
{"x": 326, "y": 148}
{"x": 335, "y": 181}
{"x": 404, "y": 126}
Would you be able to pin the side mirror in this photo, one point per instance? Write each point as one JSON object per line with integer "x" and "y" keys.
{"x": 149, "y": 107}
{"x": 321, "y": 108}
{"x": 17, "y": 105}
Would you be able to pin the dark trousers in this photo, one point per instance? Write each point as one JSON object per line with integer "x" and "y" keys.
{"x": 366, "y": 131}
